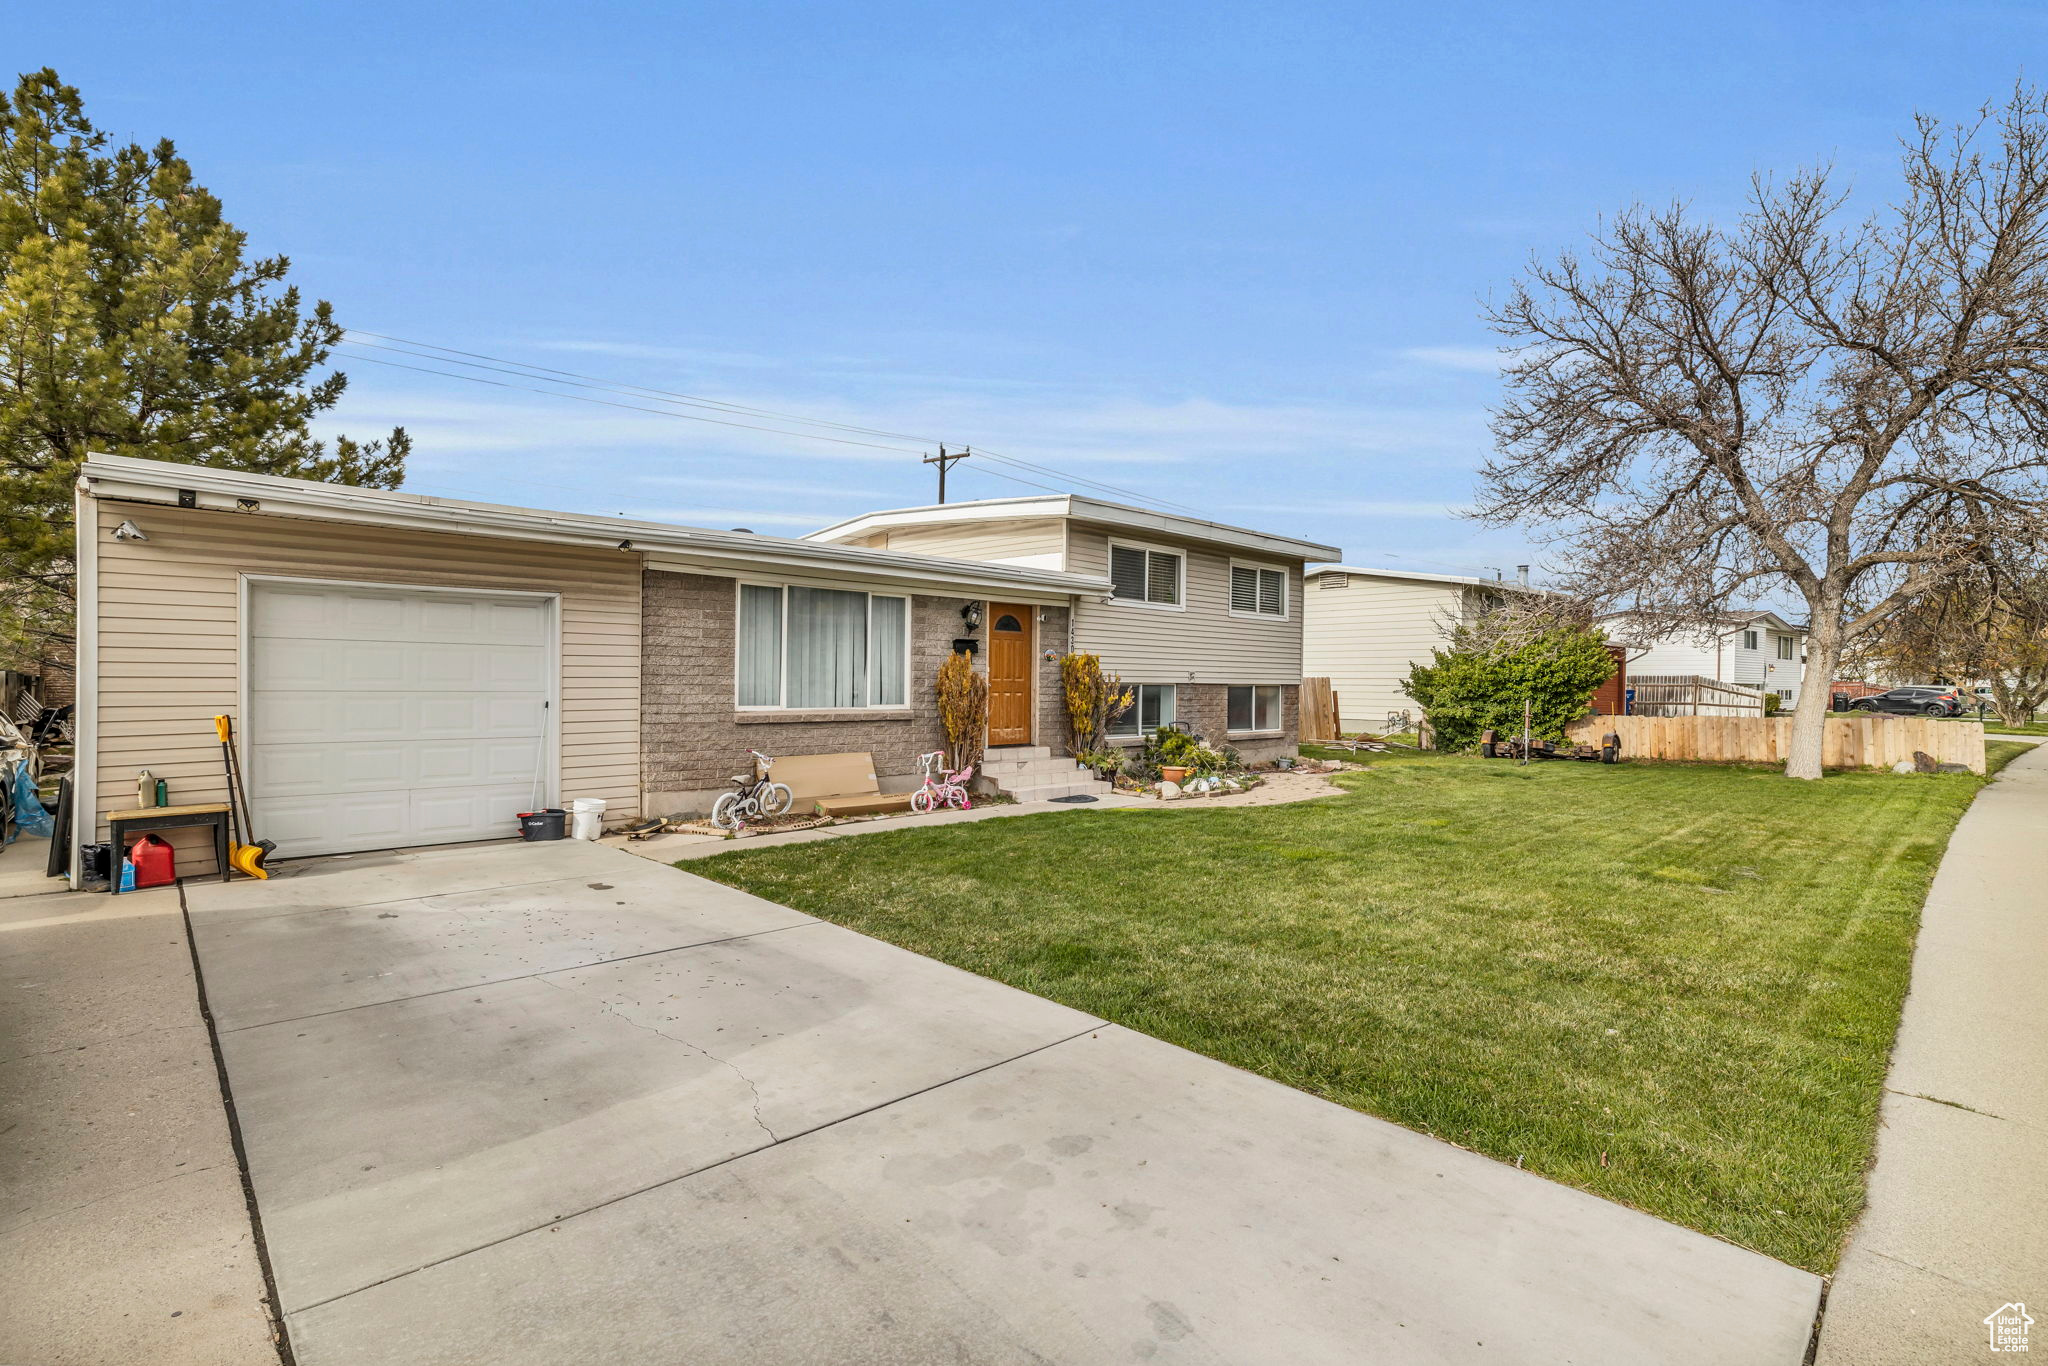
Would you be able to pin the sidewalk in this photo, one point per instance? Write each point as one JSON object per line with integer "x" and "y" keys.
{"x": 1957, "y": 1224}
{"x": 1278, "y": 789}
{"x": 124, "y": 1233}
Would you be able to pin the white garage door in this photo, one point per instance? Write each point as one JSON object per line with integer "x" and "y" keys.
{"x": 381, "y": 717}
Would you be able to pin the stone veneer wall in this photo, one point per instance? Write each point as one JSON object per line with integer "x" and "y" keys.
{"x": 693, "y": 737}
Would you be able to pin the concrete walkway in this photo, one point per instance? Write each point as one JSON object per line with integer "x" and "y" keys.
{"x": 552, "y": 1104}
{"x": 1279, "y": 789}
{"x": 124, "y": 1231}
{"x": 1958, "y": 1218}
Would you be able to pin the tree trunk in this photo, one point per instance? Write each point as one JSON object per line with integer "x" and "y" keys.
{"x": 1810, "y": 714}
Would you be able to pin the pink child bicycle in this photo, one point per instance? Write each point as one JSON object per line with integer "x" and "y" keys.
{"x": 940, "y": 787}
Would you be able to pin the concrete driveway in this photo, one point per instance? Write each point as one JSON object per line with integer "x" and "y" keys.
{"x": 555, "y": 1104}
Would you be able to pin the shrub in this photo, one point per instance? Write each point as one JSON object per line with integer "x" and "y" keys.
{"x": 963, "y": 708}
{"x": 1170, "y": 748}
{"x": 1093, "y": 697}
{"x": 1772, "y": 704}
{"x": 1467, "y": 689}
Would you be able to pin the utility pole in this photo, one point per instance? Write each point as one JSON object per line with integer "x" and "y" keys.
{"x": 944, "y": 462}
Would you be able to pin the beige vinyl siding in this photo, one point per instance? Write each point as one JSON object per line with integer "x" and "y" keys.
{"x": 1037, "y": 543}
{"x": 1199, "y": 643}
{"x": 1365, "y": 636}
{"x": 170, "y": 640}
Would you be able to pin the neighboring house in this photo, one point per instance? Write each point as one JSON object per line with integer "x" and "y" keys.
{"x": 1754, "y": 649}
{"x": 1366, "y": 628}
{"x": 408, "y": 670}
{"x": 1204, "y": 620}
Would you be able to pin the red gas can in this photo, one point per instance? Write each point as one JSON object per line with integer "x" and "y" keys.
{"x": 154, "y": 865}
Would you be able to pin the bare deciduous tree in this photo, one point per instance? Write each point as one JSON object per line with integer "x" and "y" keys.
{"x": 1989, "y": 621}
{"x": 1796, "y": 403}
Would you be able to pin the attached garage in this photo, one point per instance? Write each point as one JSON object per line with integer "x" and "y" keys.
{"x": 407, "y": 670}
{"x": 381, "y": 717}
{"x": 401, "y": 671}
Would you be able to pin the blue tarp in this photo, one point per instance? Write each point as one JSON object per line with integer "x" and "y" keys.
{"x": 28, "y": 806}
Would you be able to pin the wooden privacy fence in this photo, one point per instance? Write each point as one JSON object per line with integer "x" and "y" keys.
{"x": 1693, "y": 695}
{"x": 1848, "y": 742}
{"x": 1318, "y": 710}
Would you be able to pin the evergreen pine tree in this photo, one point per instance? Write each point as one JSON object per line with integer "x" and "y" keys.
{"x": 131, "y": 323}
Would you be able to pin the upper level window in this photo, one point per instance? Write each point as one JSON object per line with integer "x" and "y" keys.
{"x": 1138, "y": 574}
{"x": 1749, "y": 640}
{"x": 1784, "y": 646}
{"x": 1257, "y": 592}
{"x": 821, "y": 648}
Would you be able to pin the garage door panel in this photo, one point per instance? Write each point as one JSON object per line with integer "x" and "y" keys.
{"x": 382, "y": 718}
{"x": 331, "y": 822}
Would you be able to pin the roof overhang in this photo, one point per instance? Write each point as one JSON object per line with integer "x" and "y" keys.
{"x": 1092, "y": 510}
{"x": 1411, "y": 574}
{"x": 127, "y": 479}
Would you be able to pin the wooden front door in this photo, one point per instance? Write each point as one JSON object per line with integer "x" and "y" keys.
{"x": 1009, "y": 674}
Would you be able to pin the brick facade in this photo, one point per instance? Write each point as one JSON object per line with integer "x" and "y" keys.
{"x": 693, "y": 737}
{"x": 1204, "y": 708}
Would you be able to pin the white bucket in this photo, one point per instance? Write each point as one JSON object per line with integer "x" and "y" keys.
{"x": 586, "y": 818}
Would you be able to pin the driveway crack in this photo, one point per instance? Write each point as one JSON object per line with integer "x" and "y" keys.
{"x": 608, "y": 1008}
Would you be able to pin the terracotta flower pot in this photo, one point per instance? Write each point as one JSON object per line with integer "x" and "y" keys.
{"x": 1174, "y": 773}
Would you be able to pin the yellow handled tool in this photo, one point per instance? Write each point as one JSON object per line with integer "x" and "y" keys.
{"x": 246, "y": 858}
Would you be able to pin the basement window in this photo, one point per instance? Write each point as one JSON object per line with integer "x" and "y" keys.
{"x": 1254, "y": 708}
{"x": 1152, "y": 707}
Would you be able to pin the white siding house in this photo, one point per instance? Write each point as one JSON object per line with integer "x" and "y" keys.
{"x": 1755, "y": 649}
{"x": 1364, "y": 629}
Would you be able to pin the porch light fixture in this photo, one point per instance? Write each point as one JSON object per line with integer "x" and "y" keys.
{"x": 971, "y": 614}
{"x": 128, "y": 531}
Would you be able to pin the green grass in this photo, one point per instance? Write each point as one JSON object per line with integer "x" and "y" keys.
{"x": 1674, "y": 986}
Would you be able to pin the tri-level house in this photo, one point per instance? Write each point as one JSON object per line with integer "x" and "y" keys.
{"x": 1202, "y": 620}
{"x": 407, "y": 670}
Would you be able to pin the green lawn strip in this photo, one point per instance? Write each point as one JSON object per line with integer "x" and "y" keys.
{"x": 1694, "y": 970}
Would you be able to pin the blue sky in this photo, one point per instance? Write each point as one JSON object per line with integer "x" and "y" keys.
{"x": 1231, "y": 256}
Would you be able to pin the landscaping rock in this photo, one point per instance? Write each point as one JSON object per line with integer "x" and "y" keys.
{"x": 1903, "y": 766}
{"x": 1168, "y": 791}
{"x": 1923, "y": 762}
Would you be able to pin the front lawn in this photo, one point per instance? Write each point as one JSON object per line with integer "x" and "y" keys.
{"x": 1675, "y": 986}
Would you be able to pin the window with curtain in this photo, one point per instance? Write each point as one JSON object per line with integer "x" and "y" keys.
{"x": 818, "y": 649}
{"x": 1254, "y": 707}
{"x": 1140, "y": 575}
{"x": 1151, "y": 708}
{"x": 1256, "y": 592}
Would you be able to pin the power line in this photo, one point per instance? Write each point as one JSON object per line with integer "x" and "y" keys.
{"x": 633, "y": 407}
{"x": 552, "y": 375}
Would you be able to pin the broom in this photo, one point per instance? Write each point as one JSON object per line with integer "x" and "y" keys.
{"x": 246, "y": 858}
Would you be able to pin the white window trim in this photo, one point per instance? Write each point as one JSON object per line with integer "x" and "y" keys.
{"x": 1752, "y": 640}
{"x": 1180, "y": 588}
{"x": 1279, "y": 701}
{"x": 782, "y": 665}
{"x": 1286, "y": 591}
{"x": 1137, "y": 737}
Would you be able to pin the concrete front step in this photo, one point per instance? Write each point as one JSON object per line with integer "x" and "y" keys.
{"x": 1019, "y": 752}
{"x": 1031, "y": 769}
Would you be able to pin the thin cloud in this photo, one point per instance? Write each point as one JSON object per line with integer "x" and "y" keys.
{"x": 1485, "y": 360}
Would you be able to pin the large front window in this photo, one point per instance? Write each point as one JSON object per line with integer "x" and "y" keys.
{"x": 1151, "y": 708}
{"x": 817, "y": 649}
